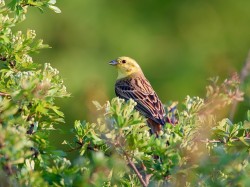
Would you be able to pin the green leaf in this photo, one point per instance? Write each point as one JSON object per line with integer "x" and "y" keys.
{"x": 58, "y": 112}
{"x": 243, "y": 141}
{"x": 55, "y": 9}
{"x": 97, "y": 105}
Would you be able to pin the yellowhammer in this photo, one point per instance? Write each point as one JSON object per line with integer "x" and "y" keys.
{"x": 132, "y": 84}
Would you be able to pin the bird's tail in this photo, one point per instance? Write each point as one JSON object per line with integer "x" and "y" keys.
{"x": 155, "y": 128}
{"x": 171, "y": 117}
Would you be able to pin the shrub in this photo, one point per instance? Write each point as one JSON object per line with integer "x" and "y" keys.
{"x": 201, "y": 149}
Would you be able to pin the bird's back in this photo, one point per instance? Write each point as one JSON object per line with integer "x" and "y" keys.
{"x": 138, "y": 88}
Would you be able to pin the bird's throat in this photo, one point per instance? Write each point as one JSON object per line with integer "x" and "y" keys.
{"x": 122, "y": 75}
{"x": 127, "y": 73}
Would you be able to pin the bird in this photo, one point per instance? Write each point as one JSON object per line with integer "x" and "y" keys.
{"x": 132, "y": 84}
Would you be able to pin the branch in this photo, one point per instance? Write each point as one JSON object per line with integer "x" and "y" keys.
{"x": 4, "y": 94}
{"x": 243, "y": 75}
{"x": 132, "y": 165}
{"x": 221, "y": 141}
{"x": 89, "y": 147}
{"x": 147, "y": 178}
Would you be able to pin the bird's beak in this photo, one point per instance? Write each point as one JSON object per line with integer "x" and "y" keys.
{"x": 113, "y": 62}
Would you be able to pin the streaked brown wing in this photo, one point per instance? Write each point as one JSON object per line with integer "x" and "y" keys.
{"x": 139, "y": 89}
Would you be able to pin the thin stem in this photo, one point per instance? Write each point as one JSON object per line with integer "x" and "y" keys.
{"x": 4, "y": 94}
{"x": 132, "y": 165}
{"x": 221, "y": 141}
{"x": 147, "y": 178}
{"x": 243, "y": 75}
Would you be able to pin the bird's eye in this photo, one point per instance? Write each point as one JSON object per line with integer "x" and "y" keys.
{"x": 123, "y": 61}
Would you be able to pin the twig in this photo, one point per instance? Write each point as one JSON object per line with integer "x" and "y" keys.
{"x": 4, "y": 94}
{"x": 243, "y": 75}
{"x": 147, "y": 178}
{"x": 89, "y": 147}
{"x": 221, "y": 141}
{"x": 132, "y": 165}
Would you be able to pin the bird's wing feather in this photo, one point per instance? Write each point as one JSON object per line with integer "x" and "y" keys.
{"x": 140, "y": 90}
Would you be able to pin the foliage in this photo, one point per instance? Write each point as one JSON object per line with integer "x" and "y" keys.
{"x": 196, "y": 150}
{"x": 27, "y": 96}
{"x": 203, "y": 148}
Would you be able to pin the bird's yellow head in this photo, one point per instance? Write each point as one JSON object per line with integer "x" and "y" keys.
{"x": 125, "y": 66}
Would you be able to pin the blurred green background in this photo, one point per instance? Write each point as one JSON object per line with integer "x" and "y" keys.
{"x": 178, "y": 44}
